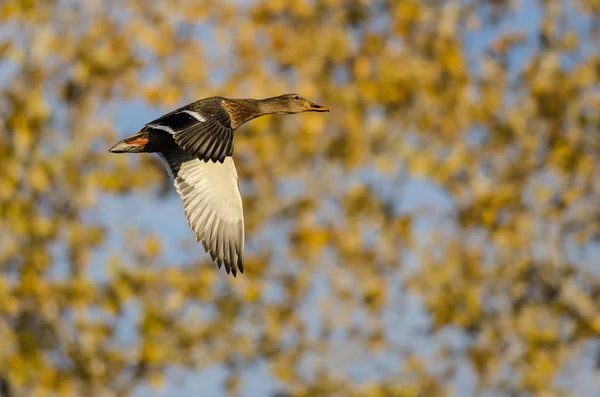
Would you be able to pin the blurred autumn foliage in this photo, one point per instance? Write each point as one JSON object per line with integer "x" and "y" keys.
{"x": 500, "y": 121}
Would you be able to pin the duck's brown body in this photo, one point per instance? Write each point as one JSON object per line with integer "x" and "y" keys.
{"x": 196, "y": 143}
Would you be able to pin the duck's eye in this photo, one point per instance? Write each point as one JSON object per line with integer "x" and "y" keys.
{"x": 296, "y": 97}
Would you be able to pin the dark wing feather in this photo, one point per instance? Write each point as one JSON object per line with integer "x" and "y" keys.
{"x": 207, "y": 140}
{"x": 202, "y": 128}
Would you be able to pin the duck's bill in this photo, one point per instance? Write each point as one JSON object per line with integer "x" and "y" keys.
{"x": 313, "y": 107}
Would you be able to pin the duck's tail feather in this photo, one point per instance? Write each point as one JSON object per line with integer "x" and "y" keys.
{"x": 148, "y": 140}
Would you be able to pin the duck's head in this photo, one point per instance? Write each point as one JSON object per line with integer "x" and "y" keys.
{"x": 290, "y": 103}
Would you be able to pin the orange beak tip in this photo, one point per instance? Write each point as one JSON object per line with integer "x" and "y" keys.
{"x": 317, "y": 108}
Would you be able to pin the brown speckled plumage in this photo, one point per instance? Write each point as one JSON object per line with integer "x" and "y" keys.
{"x": 241, "y": 110}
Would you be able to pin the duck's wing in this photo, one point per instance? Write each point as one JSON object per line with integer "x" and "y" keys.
{"x": 202, "y": 128}
{"x": 213, "y": 205}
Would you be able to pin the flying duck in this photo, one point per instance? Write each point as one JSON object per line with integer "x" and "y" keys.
{"x": 195, "y": 142}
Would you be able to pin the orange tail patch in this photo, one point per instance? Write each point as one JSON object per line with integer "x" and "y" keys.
{"x": 138, "y": 140}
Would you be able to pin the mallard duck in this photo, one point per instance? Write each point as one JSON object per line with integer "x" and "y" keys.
{"x": 195, "y": 142}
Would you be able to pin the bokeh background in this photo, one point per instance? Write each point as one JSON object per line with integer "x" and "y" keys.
{"x": 435, "y": 234}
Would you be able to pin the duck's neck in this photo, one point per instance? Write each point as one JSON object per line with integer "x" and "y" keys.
{"x": 270, "y": 105}
{"x": 243, "y": 110}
